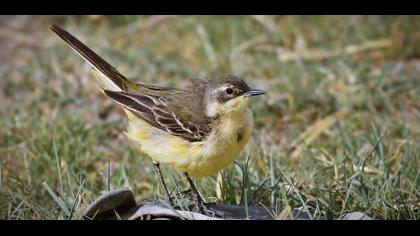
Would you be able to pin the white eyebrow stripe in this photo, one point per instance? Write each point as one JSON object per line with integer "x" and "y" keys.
{"x": 220, "y": 89}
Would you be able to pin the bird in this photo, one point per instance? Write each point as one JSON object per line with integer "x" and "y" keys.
{"x": 196, "y": 130}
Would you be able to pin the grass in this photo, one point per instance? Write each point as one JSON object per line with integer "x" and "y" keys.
{"x": 338, "y": 133}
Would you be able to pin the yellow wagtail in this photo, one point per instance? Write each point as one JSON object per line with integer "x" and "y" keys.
{"x": 196, "y": 130}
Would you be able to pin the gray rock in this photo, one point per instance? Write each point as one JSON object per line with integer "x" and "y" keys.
{"x": 355, "y": 216}
{"x": 122, "y": 202}
{"x": 118, "y": 200}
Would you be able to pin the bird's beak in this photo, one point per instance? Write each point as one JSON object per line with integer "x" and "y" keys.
{"x": 254, "y": 92}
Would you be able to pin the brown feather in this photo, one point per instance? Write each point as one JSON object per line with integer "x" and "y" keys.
{"x": 156, "y": 112}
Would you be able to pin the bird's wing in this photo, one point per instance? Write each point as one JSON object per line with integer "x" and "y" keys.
{"x": 153, "y": 87}
{"x": 156, "y": 111}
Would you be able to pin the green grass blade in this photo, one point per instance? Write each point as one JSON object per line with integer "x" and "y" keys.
{"x": 57, "y": 199}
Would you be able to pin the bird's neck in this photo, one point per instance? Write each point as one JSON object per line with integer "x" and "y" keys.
{"x": 232, "y": 120}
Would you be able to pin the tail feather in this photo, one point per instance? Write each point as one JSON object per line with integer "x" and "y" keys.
{"x": 109, "y": 77}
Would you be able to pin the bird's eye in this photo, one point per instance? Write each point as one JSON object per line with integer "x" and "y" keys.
{"x": 229, "y": 91}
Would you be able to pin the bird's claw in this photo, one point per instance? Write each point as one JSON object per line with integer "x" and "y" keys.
{"x": 206, "y": 211}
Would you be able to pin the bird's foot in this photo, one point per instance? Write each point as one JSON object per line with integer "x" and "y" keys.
{"x": 203, "y": 209}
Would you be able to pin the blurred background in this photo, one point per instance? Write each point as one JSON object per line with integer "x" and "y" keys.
{"x": 339, "y": 131}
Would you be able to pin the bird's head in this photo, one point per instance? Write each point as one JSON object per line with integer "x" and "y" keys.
{"x": 229, "y": 94}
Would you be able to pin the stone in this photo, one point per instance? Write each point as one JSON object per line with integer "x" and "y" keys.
{"x": 355, "y": 216}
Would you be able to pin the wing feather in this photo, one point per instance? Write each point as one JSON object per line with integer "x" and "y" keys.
{"x": 154, "y": 87}
{"x": 154, "y": 111}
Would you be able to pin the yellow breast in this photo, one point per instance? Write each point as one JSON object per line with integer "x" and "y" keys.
{"x": 198, "y": 159}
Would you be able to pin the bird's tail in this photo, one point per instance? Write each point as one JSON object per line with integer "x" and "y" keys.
{"x": 108, "y": 76}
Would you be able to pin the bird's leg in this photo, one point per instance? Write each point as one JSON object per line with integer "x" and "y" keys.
{"x": 200, "y": 203}
{"x": 195, "y": 192}
{"x": 162, "y": 181}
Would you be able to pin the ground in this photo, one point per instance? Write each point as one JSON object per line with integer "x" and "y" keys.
{"x": 339, "y": 131}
